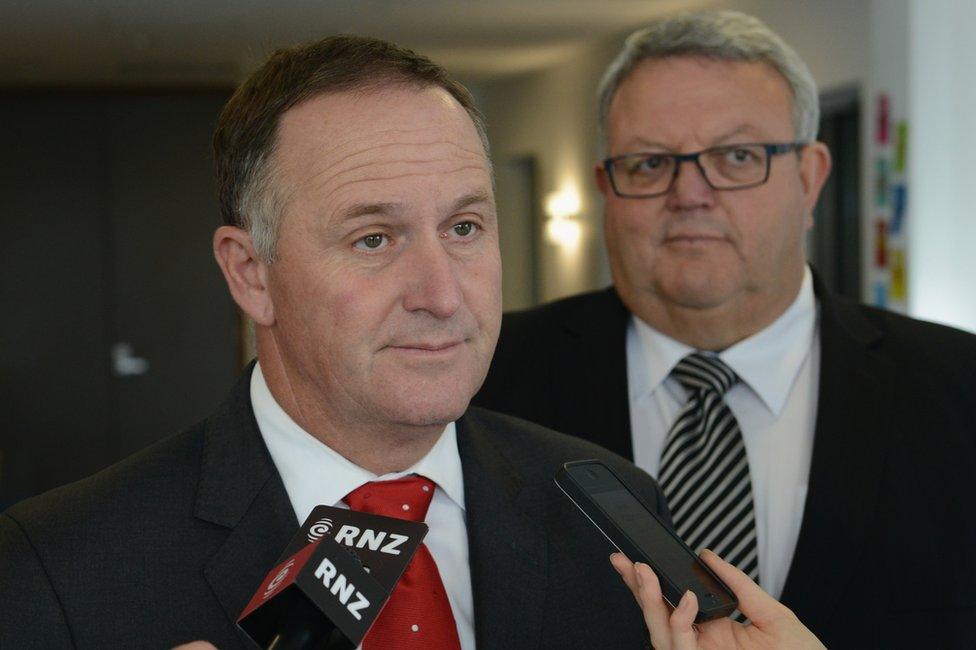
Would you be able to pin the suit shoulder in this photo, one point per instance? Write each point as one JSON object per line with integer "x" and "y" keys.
{"x": 895, "y": 323}
{"x": 920, "y": 341}
{"x": 27, "y": 596}
{"x": 550, "y": 333}
{"x": 936, "y": 364}
{"x": 158, "y": 480}
{"x": 558, "y": 311}
{"x": 538, "y": 452}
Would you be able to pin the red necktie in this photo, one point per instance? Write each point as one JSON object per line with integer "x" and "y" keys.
{"x": 418, "y": 615}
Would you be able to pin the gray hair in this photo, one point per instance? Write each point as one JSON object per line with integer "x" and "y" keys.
{"x": 722, "y": 35}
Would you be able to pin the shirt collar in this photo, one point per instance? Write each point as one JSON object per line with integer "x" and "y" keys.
{"x": 315, "y": 474}
{"x": 768, "y": 361}
{"x": 659, "y": 353}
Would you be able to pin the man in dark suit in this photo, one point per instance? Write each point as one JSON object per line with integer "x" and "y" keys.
{"x": 360, "y": 236}
{"x": 835, "y": 441}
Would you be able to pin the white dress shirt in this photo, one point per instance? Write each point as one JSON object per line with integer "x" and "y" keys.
{"x": 314, "y": 475}
{"x": 775, "y": 404}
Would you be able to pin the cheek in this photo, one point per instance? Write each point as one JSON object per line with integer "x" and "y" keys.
{"x": 631, "y": 230}
{"x": 483, "y": 291}
{"x": 356, "y": 308}
{"x": 768, "y": 228}
{"x": 335, "y": 306}
{"x": 343, "y": 308}
{"x": 637, "y": 218}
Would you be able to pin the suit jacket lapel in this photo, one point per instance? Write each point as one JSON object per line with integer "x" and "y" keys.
{"x": 597, "y": 334}
{"x": 507, "y": 547}
{"x": 240, "y": 490}
{"x": 849, "y": 450}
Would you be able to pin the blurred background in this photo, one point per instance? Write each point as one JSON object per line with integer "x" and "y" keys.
{"x": 117, "y": 328}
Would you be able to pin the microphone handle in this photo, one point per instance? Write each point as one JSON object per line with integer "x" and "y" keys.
{"x": 317, "y": 635}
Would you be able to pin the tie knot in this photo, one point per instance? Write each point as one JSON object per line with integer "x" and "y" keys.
{"x": 404, "y": 498}
{"x": 699, "y": 371}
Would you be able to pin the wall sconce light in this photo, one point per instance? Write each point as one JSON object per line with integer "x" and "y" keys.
{"x": 563, "y": 204}
{"x": 561, "y": 228}
{"x": 564, "y": 232}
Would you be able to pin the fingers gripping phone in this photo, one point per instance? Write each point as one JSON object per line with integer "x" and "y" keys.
{"x": 639, "y": 534}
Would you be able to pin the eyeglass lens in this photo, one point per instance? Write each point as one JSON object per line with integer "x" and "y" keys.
{"x": 724, "y": 168}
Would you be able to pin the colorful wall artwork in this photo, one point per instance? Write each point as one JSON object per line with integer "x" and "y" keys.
{"x": 888, "y": 275}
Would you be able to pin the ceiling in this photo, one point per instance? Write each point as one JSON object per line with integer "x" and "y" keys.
{"x": 116, "y": 42}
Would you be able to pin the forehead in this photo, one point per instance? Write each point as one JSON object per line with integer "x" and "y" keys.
{"x": 381, "y": 138}
{"x": 678, "y": 99}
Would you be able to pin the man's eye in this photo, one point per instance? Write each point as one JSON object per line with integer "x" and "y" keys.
{"x": 648, "y": 164}
{"x": 372, "y": 242}
{"x": 740, "y": 156}
{"x": 465, "y": 229}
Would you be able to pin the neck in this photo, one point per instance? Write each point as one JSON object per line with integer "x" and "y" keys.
{"x": 379, "y": 447}
{"x": 713, "y": 327}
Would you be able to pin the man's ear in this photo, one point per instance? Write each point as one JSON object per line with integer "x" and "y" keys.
{"x": 245, "y": 272}
{"x": 815, "y": 166}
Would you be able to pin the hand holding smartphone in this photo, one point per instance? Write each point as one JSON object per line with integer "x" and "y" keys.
{"x": 638, "y": 533}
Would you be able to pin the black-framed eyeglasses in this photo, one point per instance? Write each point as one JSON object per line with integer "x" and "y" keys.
{"x": 729, "y": 167}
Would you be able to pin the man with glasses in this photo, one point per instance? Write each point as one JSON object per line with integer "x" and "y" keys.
{"x": 821, "y": 446}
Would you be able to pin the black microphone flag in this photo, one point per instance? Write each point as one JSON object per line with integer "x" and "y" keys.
{"x": 332, "y": 580}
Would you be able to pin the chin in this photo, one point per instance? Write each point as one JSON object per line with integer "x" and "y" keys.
{"x": 424, "y": 404}
{"x": 428, "y": 415}
{"x": 431, "y": 396}
{"x": 699, "y": 290}
{"x": 699, "y": 299}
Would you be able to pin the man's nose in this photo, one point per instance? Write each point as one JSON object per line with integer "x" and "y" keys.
{"x": 690, "y": 190}
{"x": 432, "y": 283}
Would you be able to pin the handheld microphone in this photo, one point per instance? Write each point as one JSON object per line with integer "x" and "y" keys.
{"x": 332, "y": 581}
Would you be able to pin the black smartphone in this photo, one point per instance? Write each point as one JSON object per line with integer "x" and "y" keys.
{"x": 638, "y": 533}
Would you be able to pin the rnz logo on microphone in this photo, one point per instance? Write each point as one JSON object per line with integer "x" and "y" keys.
{"x": 277, "y": 580}
{"x": 371, "y": 539}
{"x": 339, "y": 586}
{"x": 319, "y": 529}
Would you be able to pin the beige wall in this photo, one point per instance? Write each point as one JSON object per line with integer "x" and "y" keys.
{"x": 551, "y": 115}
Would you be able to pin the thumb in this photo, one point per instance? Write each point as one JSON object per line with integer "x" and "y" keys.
{"x": 756, "y": 604}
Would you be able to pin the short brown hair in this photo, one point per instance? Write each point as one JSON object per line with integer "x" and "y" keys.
{"x": 246, "y": 134}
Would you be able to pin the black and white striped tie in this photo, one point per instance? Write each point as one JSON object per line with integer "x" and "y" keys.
{"x": 704, "y": 470}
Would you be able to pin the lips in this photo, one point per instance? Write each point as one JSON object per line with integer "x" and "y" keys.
{"x": 693, "y": 237}
{"x": 685, "y": 233}
{"x": 427, "y": 346}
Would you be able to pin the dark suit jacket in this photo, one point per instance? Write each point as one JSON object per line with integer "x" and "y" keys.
{"x": 169, "y": 545}
{"x": 886, "y": 556}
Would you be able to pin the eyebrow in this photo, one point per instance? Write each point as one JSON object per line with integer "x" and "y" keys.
{"x": 743, "y": 128}
{"x": 719, "y": 141}
{"x": 480, "y": 196}
{"x": 372, "y": 208}
{"x": 393, "y": 209}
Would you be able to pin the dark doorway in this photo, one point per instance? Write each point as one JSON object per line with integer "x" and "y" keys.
{"x": 117, "y": 328}
{"x": 834, "y": 243}
{"x": 518, "y": 226}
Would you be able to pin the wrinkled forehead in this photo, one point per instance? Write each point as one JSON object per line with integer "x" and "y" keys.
{"x": 406, "y": 145}
{"x": 705, "y": 98}
{"x": 334, "y": 127}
